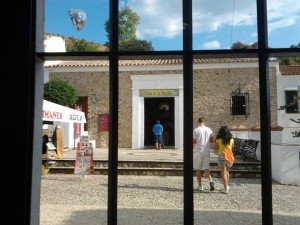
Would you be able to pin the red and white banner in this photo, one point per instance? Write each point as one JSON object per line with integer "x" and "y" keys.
{"x": 55, "y": 112}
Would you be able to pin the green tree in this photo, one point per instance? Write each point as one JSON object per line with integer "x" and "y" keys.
{"x": 60, "y": 92}
{"x": 238, "y": 45}
{"x": 135, "y": 45}
{"x": 241, "y": 45}
{"x": 254, "y": 45}
{"x": 128, "y": 21}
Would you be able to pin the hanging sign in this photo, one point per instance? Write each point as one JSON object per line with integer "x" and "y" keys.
{"x": 103, "y": 122}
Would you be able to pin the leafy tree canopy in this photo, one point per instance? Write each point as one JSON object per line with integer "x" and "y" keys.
{"x": 60, "y": 92}
{"x": 135, "y": 45}
{"x": 241, "y": 45}
{"x": 128, "y": 21}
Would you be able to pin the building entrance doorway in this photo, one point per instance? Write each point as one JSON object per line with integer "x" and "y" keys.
{"x": 162, "y": 109}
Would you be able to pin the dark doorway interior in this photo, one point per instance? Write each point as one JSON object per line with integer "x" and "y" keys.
{"x": 162, "y": 109}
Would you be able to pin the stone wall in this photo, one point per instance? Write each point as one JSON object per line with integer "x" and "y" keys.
{"x": 212, "y": 88}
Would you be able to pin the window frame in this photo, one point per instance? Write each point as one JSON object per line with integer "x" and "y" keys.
{"x": 263, "y": 53}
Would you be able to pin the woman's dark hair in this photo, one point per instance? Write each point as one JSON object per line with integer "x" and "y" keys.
{"x": 224, "y": 134}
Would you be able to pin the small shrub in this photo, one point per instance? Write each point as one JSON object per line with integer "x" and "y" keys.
{"x": 60, "y": 92}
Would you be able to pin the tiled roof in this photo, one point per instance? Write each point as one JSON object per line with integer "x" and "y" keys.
{"x": 290, "y": 70}
{"x": 149, "y": 62}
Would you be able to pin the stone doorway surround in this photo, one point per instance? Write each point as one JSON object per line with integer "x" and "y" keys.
{"x": 156, "y": 82}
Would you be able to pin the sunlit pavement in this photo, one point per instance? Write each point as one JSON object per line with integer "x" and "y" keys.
{"x": 148, "y": 200}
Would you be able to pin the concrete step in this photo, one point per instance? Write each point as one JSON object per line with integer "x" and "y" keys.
{"x": 156, "y": 168}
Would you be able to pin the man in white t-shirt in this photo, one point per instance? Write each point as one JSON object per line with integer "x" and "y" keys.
{"x": 202, "y": 140}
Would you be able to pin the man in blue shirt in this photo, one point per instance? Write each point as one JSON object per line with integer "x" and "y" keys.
{"x": 158, "y": 132}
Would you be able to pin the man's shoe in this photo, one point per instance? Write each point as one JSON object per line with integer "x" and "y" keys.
{"x": 212, "y": 187}
{"x": 225, "y": 191}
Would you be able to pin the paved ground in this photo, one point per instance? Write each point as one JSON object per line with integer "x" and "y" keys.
{"x": 153, "y": 200}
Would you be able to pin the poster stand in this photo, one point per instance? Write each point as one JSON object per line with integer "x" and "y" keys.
{"x": 49, "y": 156}
{"x": 84, "y": 163}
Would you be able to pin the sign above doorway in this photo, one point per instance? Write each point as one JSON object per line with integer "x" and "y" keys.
{"x": 158, "y": 92}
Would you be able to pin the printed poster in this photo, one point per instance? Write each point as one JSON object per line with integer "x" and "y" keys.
{"x": 84, "y": 163}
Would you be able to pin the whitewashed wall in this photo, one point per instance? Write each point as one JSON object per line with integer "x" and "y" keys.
{"x": 54, "y": 44}
{"x": 287, "y": 82}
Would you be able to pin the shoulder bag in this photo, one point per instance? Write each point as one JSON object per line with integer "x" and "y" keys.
{"x": 228, "y": 155}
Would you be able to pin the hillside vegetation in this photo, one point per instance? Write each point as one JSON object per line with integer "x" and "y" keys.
{"x": 80, "y": 45}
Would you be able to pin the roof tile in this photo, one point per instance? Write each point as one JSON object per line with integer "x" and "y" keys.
{"x": 290, "y": 70}
{"x": 150, "y": 62}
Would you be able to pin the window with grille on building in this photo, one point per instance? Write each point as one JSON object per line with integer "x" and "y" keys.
{"x": 239, "y": 103}
{"x": 291, "y": 101}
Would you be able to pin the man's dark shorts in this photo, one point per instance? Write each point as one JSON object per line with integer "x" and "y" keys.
{"x": 158, "y": 139}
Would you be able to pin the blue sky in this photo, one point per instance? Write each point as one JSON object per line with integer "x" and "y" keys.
{"x": 216, "y": 24}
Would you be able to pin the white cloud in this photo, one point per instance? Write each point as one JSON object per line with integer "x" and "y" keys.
{"x": 158, "y": 18}
{"x": 211, "y": 45}
{"x": 283, "y": 9}
{"x": 280, "y": 24}
{"x": 282, "y": 14}
{"x": 164, "y": 18}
